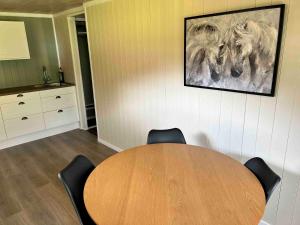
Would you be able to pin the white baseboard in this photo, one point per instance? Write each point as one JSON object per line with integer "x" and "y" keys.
{"x": 263, "y": 223}
{"x": 107, "y": 144}
{"x": 38, "y": 135}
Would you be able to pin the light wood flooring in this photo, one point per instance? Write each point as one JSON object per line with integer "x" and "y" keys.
{"x": 30, "y": 192}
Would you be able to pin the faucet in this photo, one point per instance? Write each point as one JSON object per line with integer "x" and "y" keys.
{"x": 45, "y": 76}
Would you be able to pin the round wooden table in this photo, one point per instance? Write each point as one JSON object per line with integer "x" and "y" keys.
{"x": 173, "y": 184}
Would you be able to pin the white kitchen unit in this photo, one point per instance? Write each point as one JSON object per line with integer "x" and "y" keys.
{"x": 19, "y": 97}
{"x": 20, "y": 108}
{"x": 59, "y": 107}
{"x": 60, "y": 117}
{"x": 24, "y": 125}
{"x": 29, "y": 116}
{"x": 55, "y": 100}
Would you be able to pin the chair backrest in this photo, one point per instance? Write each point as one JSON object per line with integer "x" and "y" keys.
{"x": 166, "y": 136}
{"x": 74, "y": 177}
{"x": 266, "y": 176}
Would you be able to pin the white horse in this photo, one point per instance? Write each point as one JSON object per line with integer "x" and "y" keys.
{"x": 202, "y": 48}
{"x": 252, "y": 45}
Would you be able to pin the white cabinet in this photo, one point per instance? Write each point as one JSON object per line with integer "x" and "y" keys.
{"x": 22, "y": 114}
{"x": 58, "y": 102}
{"x": 61, "y": 117}
{"x": 27, "y": 113}
{"x": 59, "y": 107}
{"x": 21, "y": 108}
{"x": 59, "y": 91}
{"x": 13, "y": 41}
{"x": 24, "y": 125}
{"x": 19, "y": 97}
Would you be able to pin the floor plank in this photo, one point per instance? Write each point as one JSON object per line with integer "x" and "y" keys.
{"x": 30, "y": 192}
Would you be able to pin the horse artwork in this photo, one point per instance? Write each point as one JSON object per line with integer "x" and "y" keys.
{"x": 234, "y": 51}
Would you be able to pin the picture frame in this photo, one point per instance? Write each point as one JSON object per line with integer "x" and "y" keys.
{"x": 236, "y": 51}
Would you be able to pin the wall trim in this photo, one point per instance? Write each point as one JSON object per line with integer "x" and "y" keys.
{"x": 39, "y": 15}
{"x": 95, "y": 2}
{"x": 70, "y": 12}
{"x": 107, "y": 144}
{"x": 77, "y": 72}
{"x": 38, "y": 135}
{"x": 92, "y": 68}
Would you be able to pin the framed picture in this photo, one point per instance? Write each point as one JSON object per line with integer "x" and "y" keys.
{"x": 234, "y": 51}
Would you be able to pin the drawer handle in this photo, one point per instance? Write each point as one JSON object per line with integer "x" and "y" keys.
{"x": 21, "y": 103}
{"x": 24, "y": 118}
{"x": 20, "y": 95}
{"x": 60, "y": 111}
{"x": 58, "y": 97}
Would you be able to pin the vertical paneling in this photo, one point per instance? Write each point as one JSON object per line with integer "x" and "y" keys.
{"x": 137, "y": 55}
{"x": 251, "y": 115}
{"x": 117, "y": 69}
{"x": 250, "y": 126}
{"x": 266, "y": 119}
{"x": 268, "y": 130}
{"x": 106, "y": 48}
{"x": 237, "y": 125}
{"x": 291, "y": 178}
{"x": 296, "y": 214}
{"x": 156, "y": 70}
{"x": 200, "y": 123}
{"x": 212, "y": 99}
{"x": 42, "y": 47}
{"x": 232, "y": 112}
{"x": 141, "y": 19}
{"x": 226, "y": 122}
{"x": 179, "y": 98}
{"x": 290, "y": 104}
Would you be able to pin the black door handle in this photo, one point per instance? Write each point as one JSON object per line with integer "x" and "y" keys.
{"x": 24, "y": 118}
{"x": 60, "y": 111}
{"x": 58, "y": 97}
{"x": 21, "y": 103}
{"x": 19, "y": 95}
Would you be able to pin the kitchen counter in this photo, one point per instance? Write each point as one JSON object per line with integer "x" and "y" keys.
{"x": 31, "y": 88}
{"x": 37, "y": 111}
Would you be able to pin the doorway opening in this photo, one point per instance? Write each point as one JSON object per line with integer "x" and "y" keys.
{"x": 83, "y": 74}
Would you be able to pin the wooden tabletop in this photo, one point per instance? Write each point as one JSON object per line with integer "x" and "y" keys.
{"x": 173, "y": 184}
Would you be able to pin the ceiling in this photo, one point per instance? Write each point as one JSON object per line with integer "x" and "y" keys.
{"x": 38, "y": 6}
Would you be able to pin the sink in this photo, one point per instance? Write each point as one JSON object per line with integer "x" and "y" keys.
{"x": 48, "y": 85}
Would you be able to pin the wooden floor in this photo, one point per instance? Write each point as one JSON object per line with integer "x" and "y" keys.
{"x": 30, "y": 192}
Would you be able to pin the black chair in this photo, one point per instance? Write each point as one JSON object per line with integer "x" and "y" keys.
{"x": 166, "y": 136}
{"x": 74, "y": 177}
{"x": 266, "y": 176}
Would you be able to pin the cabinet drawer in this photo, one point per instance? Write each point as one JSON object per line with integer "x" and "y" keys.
{"x": 2, "y": 132}
{"x": 58, "y": 102}
{"x": 21, "y": 108}
{"x": 18, "y": 97}
{"x": 24, "y": 125}
{"x": 61, "y": 117}
{"x": 58, "y": 91}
